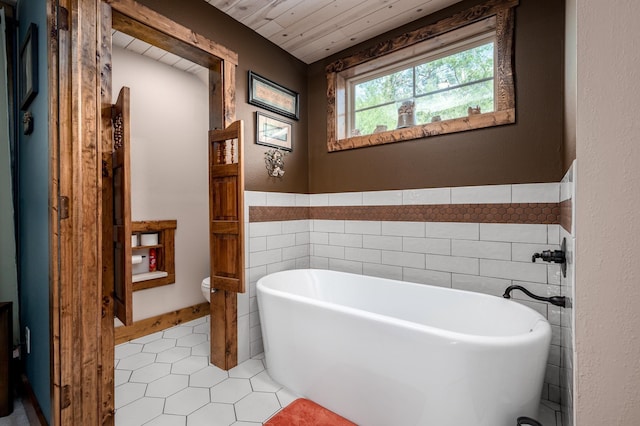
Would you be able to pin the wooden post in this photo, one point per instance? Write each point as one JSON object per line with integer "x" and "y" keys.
{"x": 77, "y": 294}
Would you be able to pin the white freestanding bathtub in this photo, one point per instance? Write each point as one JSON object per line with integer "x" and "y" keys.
{"x": 392, "y": 353}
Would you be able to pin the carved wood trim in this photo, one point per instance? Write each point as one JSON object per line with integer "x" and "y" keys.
{"x": 506, "y": 96}
{"x": 466, "y": 17}
{"x": 121, "y": 208}
{"x": 472, "y": 122}
{"x": 337, "y": 139}
{"x": 107, "y": 356}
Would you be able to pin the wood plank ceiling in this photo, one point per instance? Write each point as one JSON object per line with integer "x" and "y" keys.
{"x": 314, "y": 29}
{"x": 143, "y": 48}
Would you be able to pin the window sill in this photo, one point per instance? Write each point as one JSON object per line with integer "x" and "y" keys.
{"x": 454, "y": 125}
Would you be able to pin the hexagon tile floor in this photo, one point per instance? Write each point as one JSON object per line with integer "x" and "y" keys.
{"x": 165, "y": 379}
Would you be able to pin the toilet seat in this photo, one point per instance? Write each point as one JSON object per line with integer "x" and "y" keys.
{"x": 206, "y": 288}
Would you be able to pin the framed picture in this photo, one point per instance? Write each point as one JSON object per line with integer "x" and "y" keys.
{"x": 29, "y": 67}
{"x": 273, "y": 132}
{"x": 269, "y": 95}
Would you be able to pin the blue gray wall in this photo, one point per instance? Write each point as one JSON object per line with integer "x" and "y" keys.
{"x": 8, "y": 272}
{"x": 34, "y": 217}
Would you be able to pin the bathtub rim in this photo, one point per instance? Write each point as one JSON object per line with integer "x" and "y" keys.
{"x": 541, "y": 328}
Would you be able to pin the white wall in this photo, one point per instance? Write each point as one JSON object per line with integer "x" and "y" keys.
{"x": 607, "y": 371}
{"x": 169, "y": 169}
{"x": 269, "y": 247}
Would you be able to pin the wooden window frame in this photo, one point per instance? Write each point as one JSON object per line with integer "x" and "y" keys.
{"x": 505, "y": 102}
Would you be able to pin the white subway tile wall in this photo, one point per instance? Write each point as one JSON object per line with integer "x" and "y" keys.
{"x": 460, "y": 231}
{"x": 426, "y": 196}
{"x": 535, "y": 193}
{"x": 382, "y": 198}
{"x": 481, "y": 257}
{"x": 481, "y": 194}
{"x": 269, "y": 247}
{"x": 345, "y": 199}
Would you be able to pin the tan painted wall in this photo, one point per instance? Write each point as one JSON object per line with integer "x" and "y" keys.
{"x": 528, "y": 151}
{"x": 570, "y": 85}
{"x": 607, "y": 301}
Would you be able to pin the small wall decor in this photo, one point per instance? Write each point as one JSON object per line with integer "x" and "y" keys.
{"x": 29, "y": 67}
{"x": 274, "y": 162}
{"x": 273, "y": 132}
{"x": 269, "y": 95}
{"x": 27, "y": 123}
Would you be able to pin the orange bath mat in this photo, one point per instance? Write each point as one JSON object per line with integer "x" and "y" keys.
{"x": 303, "y": 412}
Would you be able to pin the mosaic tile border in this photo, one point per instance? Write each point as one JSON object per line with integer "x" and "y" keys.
{"x": 272, "y": 213}
{"x": 520, "y": 213}
{"x": 566, "y": 207}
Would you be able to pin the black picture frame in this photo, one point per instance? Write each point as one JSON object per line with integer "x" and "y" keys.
{"x": 29, "y": 67}
{"x": 273, "y": 132}
{"x": 273, "y": 97}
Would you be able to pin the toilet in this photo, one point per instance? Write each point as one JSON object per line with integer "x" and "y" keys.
{"x": 206, "y": 289}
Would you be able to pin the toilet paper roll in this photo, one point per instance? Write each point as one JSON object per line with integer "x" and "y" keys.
{"x": 149, "y": 239}
{"x": 134, "y": 241}
{"x": 135, "y": 259}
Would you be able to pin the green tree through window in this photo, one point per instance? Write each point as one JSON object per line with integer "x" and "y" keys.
{"x": 441, "y": 87}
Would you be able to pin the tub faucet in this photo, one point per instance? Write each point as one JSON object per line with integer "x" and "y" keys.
{"x": 554, "y": 300}
{"x": 555, "y": 256}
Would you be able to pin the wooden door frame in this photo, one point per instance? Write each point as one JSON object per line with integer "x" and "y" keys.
{"x": 82, "y": 333}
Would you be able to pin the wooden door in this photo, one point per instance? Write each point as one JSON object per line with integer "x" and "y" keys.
{"x": 121, "y": 167}
{"x": 226, "y": 240}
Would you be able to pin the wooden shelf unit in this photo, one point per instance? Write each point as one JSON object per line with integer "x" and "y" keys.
{"x": 165, "y": 250}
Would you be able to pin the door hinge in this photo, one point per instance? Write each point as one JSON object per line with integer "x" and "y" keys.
{"x": 63, "y": 207}
{"x": 65, "y": 396}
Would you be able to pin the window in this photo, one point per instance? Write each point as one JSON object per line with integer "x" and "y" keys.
{"x": 432, "y": 81}
{"x": 441, "y": 85}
